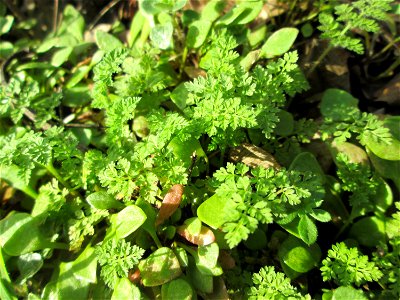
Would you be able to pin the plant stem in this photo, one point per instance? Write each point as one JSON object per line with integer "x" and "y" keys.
{"x": 61, "y": 246}
{"x": 183, "y": 61}
{"x": 155, "y": 239}
{"x": 326, "y": 51}
{"x": 187, "y": 248}
{"x": 29, "y": 191}
{"x": 53, "y": 171}
{"x": 319, "y": 60}
{"x": 345, "y": 225}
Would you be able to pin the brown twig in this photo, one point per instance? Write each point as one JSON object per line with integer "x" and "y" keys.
{"x": 55, "y": 16}
{"x": 102, "y": 13}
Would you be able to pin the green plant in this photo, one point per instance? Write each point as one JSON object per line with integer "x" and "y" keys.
{"x": 269, "y": 284}
{"x": 346, "y": 266}
{"x": 172, "y": 161}
{"x": 116, "y": 258}
{"x": 357, "y": 15}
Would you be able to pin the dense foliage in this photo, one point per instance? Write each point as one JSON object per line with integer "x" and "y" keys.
{"x": 168, "y": 160}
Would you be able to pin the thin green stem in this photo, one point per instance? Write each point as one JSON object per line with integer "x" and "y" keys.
{"x": 320, "y": 59}
{"x": 183, "y": 61}
{"x": 29, "y": 191}
{"x": 386, "y": 48}
{"x": 155, "y": 239}
{"x": 390, "y": 69}
{"x": 53, "y": 171}
{"x": 345, "y": 225}
{"x": 61, "y": 246}
{"x": 326, "y": 51}
{"x": 187, "y": 248}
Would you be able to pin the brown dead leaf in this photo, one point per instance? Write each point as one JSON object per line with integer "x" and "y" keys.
{"x": 170, "y": 203}
{"x": 390, "y": 93}
{"x": 226, "y": 260}
{"x": 253, "y": 156}
{"x": 205, "y": 236}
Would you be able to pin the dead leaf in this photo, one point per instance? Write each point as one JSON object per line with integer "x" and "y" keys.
{"x": 170, "y": 203}
{"x": 205, "y": 236}
{"x": 253, "y": 156}
{"x": 226, "y": 261}
{"x": 390, "y": 93}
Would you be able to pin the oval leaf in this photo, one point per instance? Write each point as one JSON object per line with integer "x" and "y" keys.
{"x": 197, "y": 33}
{"x": 279, "y": 42}
{"x": 296, "y": 255}
{"x": 103, "y": 200}
{"x": 369, "y": 231}
{"x": 177, "y": 289}
{"x": 160, "y": 267}
{"x": 337, "y": 104}
{"x": 161, "y": 35}
{"x": 127, "y": 221}
{"x": 124, "y": 289}
{"x": 307, "y": 230}
{"x": 170, "y": 203}
{"x": 19, "y": 234}
{"x": 213, "y": 211}
{"x": 383, "y": 150}
{"x": 107, "y": 42}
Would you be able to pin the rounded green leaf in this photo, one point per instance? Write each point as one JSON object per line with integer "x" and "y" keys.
{"x": 306, "y": 161}
{"x": 321, "y": 215}
{"x": 107, "y": 42}
{"x": 61, "y": 56}
{"x": 285, "y": 125}
{"x": 202, "y": 282}
{"x": 28, "y": 265}
{"x": 383, "y": 198}
{"x": 247, "y": 62}
{"x": 348, "y": 292}
{"x": 75, "y": 277}
{"x": 124, "y": 289}
{"x": 184, "y": 150}
{"x": 279, "y": 42}
{"x": 212, "y": 10}
{"x": 19, "y": 234}
{"x": 103, "y": 200}
{"x": 307, "y": 30}
{"x": 179, "y": 96}
{"x": 369, "y": 231}
{"x": 383, "y": 150}
{"x": 160, "y": 267}
{"x": 177, "y": 289}
{"x": 337, "y": 104}
{"x": 386, "y": 168}
{"x": 127, "y": 221}
{"x": 207, "y": 258}
{"x": 252, "y": 9}
{"x": 161, "y": 35}
{"x": 6, "y": 49}
{"x": 356, "y": 154}
{"x": 213, "y": 211}
{"x": 296, "y": 255}
{"x": 257, "y": 36}
{"x": 6, "y": 24}
{"x": 153, "y": 7}
{"x": 393, "y": 123}
{"x": 197, "y": 33}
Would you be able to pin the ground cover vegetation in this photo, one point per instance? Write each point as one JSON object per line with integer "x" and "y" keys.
{"x": 179, "y": 149}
